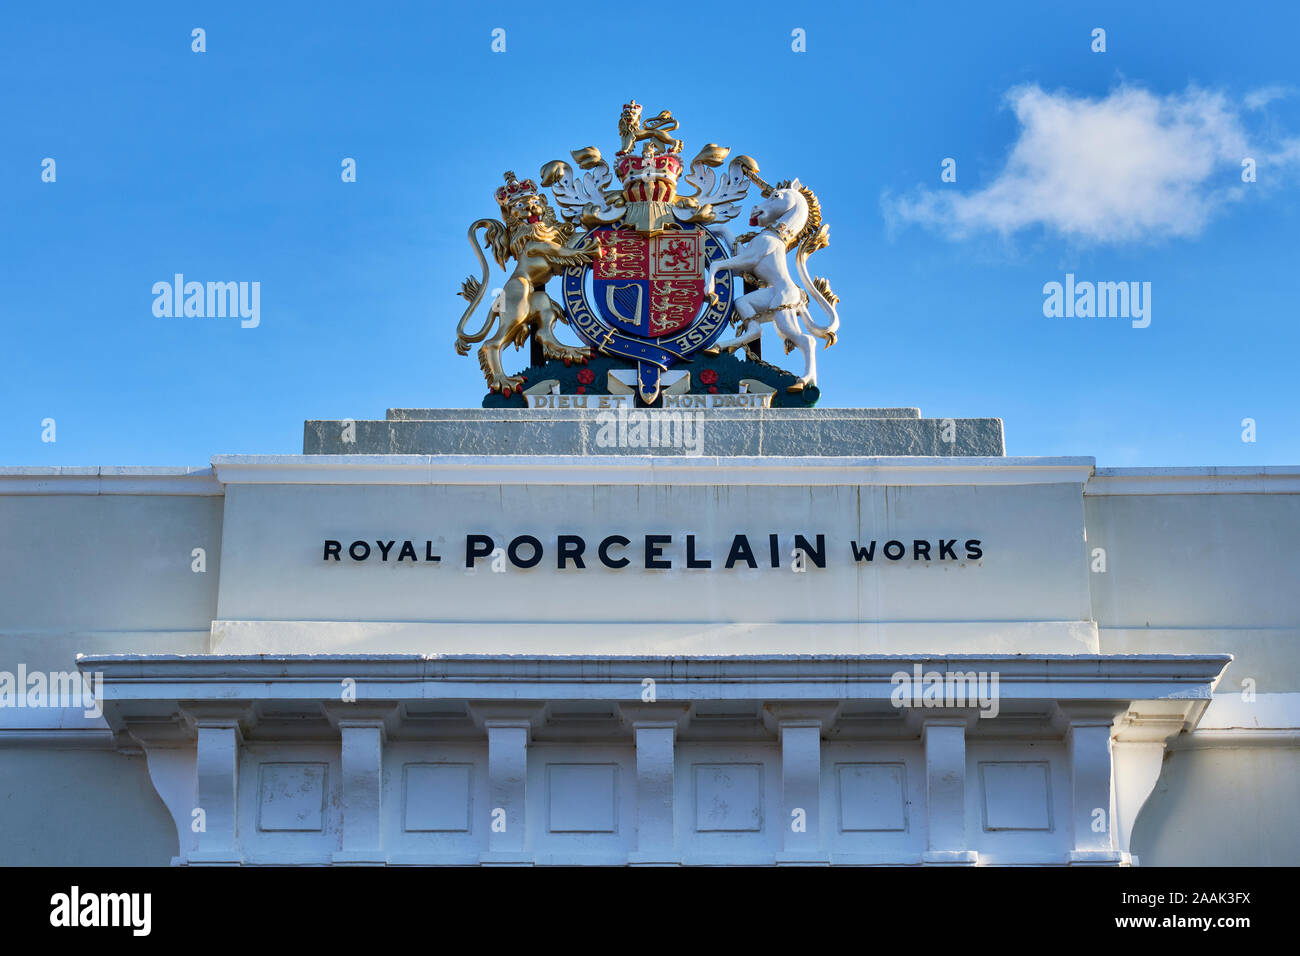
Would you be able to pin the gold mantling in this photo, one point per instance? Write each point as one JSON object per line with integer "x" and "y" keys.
{"x": 649, "y": 217}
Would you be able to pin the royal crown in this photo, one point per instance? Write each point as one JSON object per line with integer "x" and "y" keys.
{"x": 515, "y": 189}
{"x": 652, "y": 176}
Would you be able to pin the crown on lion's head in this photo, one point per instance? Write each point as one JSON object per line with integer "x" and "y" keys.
{"x": 630, "y": 119}
{"x": 526, "y": 211}
{"x": 515, "y": 189}
{"x": 521, "y": 201}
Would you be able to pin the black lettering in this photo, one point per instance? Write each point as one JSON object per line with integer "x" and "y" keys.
{"x": 865, "y": 553}
{"x": 512, "y": 552}
{"x": 920, "y": 548}
{"x": 816, "y": 555}
{"x": 603, "y": 551}
{"x": 946, "y": 548}
{"x": 740, "y": 550}
{"x": 653, "y": 550}
{"x": 902, "y": 550}
{"x": 353, "y": 551}
{"x": 973, "y": 549}
{"x": 407, "y": 548}
{"x": 477, "y": 546}
{"x": 428, "y": 553}
{"x": 383, "y": 551}
{"x": 570, "y": 547}
{"x": 333, "y": 549}
{"x": 691, "y": 561}
{"x": 774, "y": 552}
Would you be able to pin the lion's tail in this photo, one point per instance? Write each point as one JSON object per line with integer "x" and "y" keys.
{"x": 473, "y": 289}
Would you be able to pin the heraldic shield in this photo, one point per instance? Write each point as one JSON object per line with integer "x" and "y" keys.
{"x": 649, "y": 285}
{"x": 645, "y": 299}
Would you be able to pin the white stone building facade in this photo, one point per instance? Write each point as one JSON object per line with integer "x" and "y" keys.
{"x": 266, "y": 698}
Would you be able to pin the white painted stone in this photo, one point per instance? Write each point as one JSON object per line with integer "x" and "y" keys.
{"x": 217, "y": 776}
{"x": 362, "y": 759}
{"x": 1117, "y": 693}
{"x": 944, "y": 739}
{"x": 656, "y": 837}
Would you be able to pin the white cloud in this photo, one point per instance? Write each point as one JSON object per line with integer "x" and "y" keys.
{"x": 1130, "y": 166}
{"x": 1258, "y": 99}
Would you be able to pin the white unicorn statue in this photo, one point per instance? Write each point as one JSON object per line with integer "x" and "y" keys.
{"x": 790, "y": 216}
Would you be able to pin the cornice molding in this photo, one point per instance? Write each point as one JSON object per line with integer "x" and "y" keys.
{"x": 772, "y": 677}
{"x": 1211, "y": 480}
{"x": 643, "y": 470}
{"x": 108, "y": 480}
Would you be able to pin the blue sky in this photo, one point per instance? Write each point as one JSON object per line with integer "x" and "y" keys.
{"x": 225, "y": 166}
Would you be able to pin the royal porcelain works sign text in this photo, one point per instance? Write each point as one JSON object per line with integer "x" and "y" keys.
{"x": 653, "y": 552}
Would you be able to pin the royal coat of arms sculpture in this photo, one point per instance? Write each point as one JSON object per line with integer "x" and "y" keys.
{"x": 646, "y": 275}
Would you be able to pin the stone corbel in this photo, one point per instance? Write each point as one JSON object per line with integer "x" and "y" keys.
{"x": 799, "y": 727}
{"x": 1086, "y": 727}
{"x": 944, "y": 741}
{"x": 1142, "y": 735}
{"x": 509, "y": 728}
{"x": 169, "y": 751}
{"x": 363, "y": 730}
{"x": 654, "y": 731}
{"x": 219, "y": 728}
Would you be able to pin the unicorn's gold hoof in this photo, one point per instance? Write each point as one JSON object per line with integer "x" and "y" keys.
{"x": 796, "y": 387}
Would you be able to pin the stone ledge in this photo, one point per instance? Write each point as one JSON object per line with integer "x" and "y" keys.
{"x": 716, "y": 433}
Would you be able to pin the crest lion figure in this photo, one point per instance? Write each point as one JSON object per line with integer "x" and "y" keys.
{"x": 534, "y": 239}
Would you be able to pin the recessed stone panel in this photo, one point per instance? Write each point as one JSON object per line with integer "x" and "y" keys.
{"x": 1016, "y": 795}
{"x": 582, "y": 797}
{"x": 728, "y": 797}
{"x": 436, "y": 797}
{"x": 873, "y": 796}
{"x": 291, "y": 797}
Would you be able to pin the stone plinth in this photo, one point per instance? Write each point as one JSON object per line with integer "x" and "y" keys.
{"x": 779, "y": 432}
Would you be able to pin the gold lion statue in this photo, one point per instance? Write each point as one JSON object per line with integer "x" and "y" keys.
{"x": 631, "y": 130}
{"x": 533, "y": 237}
